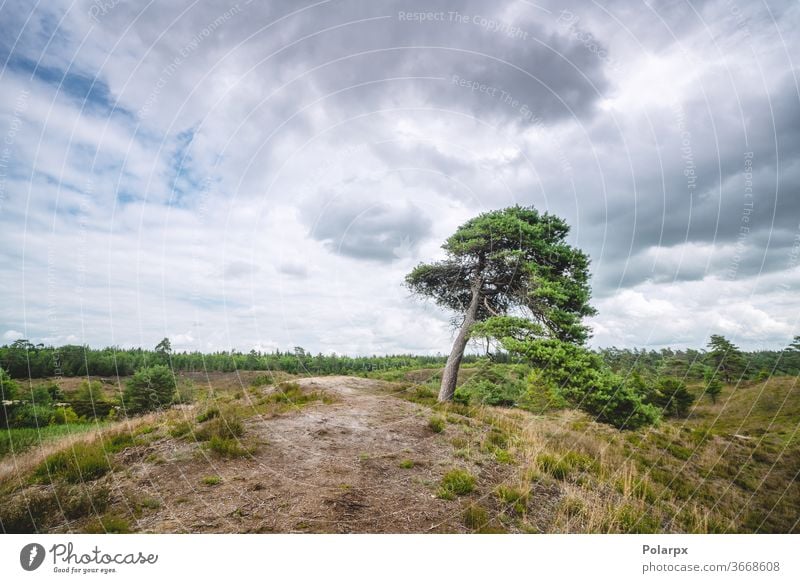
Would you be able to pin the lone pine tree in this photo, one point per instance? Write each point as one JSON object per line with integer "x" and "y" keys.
{"x": 508, "y": 261}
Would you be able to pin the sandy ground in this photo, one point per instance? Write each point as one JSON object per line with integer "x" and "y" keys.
{"x": 324, "y": 468}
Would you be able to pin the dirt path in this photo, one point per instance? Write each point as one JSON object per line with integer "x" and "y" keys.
{"x": 325, "y": 468}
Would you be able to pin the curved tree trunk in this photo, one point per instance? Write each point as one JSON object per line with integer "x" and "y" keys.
{"x": 450, "y": 374}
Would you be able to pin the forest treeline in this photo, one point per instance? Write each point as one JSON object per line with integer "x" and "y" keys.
{"x": 23, "y": 360}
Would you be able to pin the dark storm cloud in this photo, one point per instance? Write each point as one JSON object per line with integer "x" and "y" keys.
{"x": 364, "y": 229}
{"x": 474, "y": 59}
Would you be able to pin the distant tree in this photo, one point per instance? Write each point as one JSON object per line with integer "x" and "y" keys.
{"x": 713, "y": 385}
{"x": 149, "y": 389}
{"x": 515, "y": 259}
{"x": 164, "y": 347}
{"x": 794, "y": 346}
{"x": 9, "y": 389}
{"x": 672, "y": 397}
{"x": 725, "y": 358}
{"x": 89, "y": 391}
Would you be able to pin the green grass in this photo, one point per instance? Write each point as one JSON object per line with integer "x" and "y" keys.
{"x": 562, "y": 466}
{"x": 109, "y": 524}
{"x": 475, "y": 517}
{"x": 81, "y": 463}
{"x": 211, "y": 480}
{"x": 456, "y": 483}
{"x": 436, "y": 424}
{"x": 227, "y": 447}
{"x": 406, "y": 464}
{"x": 511, "y": 496}
{"x": 225, "y": 425}
{"x": 18, "y": 440}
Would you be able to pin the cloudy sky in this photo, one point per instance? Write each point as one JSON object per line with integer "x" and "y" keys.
{"x": 263, "y": 174}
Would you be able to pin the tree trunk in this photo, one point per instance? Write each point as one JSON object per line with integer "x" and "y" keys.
{"x": 450, "y": 374}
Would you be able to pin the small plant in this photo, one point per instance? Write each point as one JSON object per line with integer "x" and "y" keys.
{"x": 456, "y": 483}
{"x": 211, "y": 480}
{"x": 512, "y": 497}
{"x": 475, "y": 517}
{"x": 262, "y": 380}
{"x": 109, "y": 524}
{"x": 560, "y": 467}
{"x": 495, "y": 439}
{"x": 225, "y": 425}
{"x": 436, "y": 424}
{"x": 503, "y": 456}
{"x": 150, "y": 503}
{"x": 180, "y": 429}
{"x": 209, "y": 413}
{"x": 406, "y": 464}
{"x": 226, "y": 447}
{"x": 553, "y": 465}
{"x": 573, "y": 507}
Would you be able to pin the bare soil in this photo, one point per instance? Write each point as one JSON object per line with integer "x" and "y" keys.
{"x": 332, "y": 467}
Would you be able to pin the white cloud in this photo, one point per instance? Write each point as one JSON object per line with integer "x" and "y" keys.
{"x": 11, "y": 335}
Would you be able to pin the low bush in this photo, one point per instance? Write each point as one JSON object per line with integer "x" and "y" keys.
{"x": 456, "y": 483}
{"x": 491, "y": 385}
{"x": 64, "y": 415}
{"x": 228, "y": 425}
{"x": 227, "y": 447}
{"x": 150, "y": 389}
{"x": 82, "y": 462}
{"x": 475, "y": 517}
{"x": 436, "y": 424}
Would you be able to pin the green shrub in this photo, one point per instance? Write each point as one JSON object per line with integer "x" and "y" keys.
{"x": 31, "y": 415}
{"x": 211, "y": 480}
{"x": 671, "y": 397}
{"x": 503, "y": 456}
{"x": 64, "y": 415}
{"x": 89, "y": 391}
{"x": 150, "y": 389}
{"x": 262, "y": 380}
{"x": 584, "y": 380}
{"x": 490, "y": 385}
{"x": 456, "y": 483}
{"x": 9, "y": 388}
{"x": 54, "y": 392}
{"x": 406, "y": 464}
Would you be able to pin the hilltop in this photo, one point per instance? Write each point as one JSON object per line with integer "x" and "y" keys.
{"x": 257, "y": 453}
